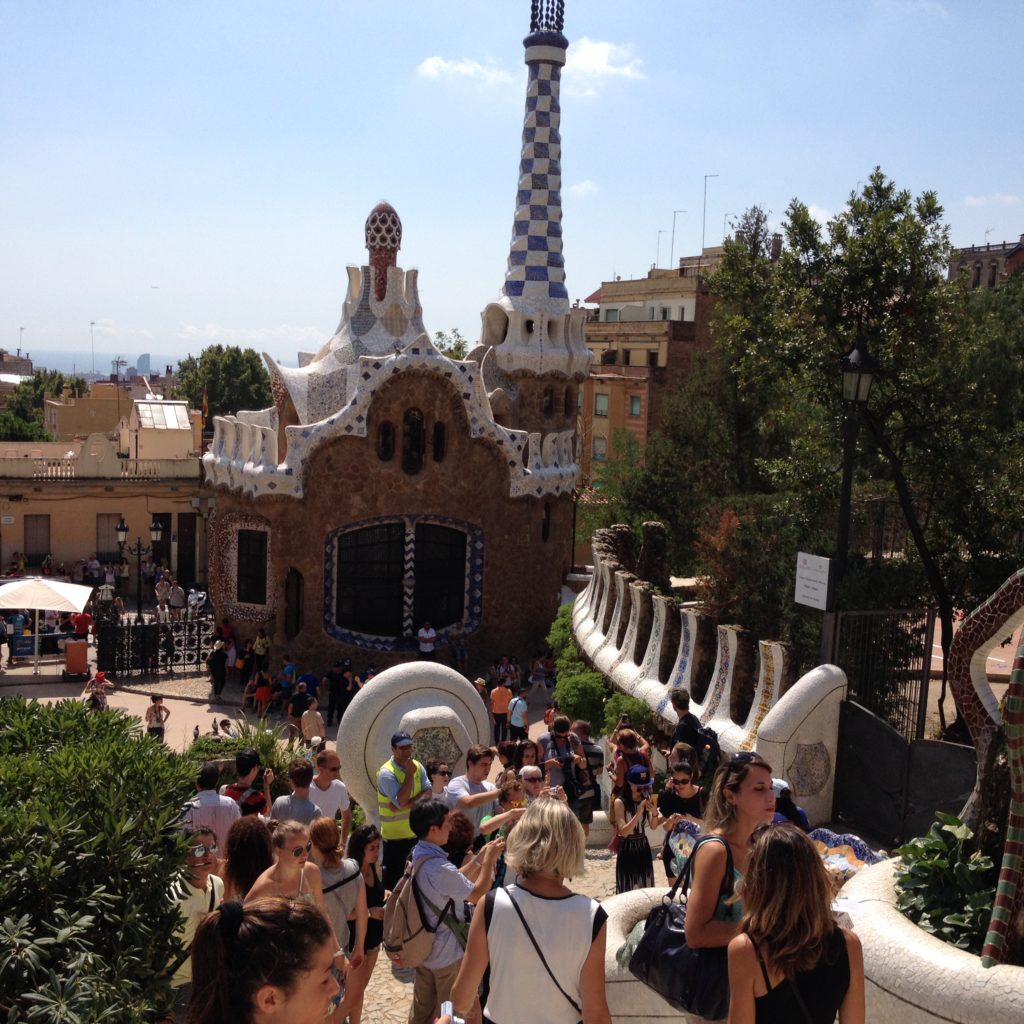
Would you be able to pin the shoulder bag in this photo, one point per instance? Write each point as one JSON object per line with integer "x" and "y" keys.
{"x": 694, "y": 980}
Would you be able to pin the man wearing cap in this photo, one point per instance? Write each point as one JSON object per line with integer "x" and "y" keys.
{"x": 243, "y": 790}
{"x": 401, "y": 782}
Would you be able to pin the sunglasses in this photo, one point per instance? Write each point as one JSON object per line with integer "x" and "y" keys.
{"x": 681, "y": 782}
{"x": 742, "y": 758}
{"x": 298, "y": 851}
{"x": 532, "y": 778}
{"x": 444, "y": 772}
{"x": 202, "y": 849}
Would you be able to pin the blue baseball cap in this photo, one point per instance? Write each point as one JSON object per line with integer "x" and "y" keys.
{"x": 401, "y": 739}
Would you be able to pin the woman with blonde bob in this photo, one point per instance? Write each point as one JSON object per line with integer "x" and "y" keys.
{"x": 532, "y": 930}
{"x": 791, "y": 961}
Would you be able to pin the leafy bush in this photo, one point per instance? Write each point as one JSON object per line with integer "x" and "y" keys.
{"x": 943, "y": 890}
{"x": 90, "y": 850}
{"x": 582, "y": 695}
{"x": 640, "y": 715}
{"x": 560, "y": 636}
{"x": 269, "y": 741}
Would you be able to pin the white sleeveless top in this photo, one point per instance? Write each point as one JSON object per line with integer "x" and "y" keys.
{"x": 565, "y": 928}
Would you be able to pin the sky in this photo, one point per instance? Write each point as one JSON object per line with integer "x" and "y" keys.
{"x": 194, "y": 172}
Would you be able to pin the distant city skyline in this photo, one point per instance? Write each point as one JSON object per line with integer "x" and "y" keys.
{"x": 188, "y": 174}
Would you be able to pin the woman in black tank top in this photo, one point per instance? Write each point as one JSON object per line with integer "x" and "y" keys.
{"x": 791, "y": 963}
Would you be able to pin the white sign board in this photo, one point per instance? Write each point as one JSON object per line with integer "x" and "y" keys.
{"x": 6, "y": 520}
{"x": 812, "y": 580}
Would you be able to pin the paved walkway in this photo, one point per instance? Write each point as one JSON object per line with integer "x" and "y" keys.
{"x": 388, "y": 996}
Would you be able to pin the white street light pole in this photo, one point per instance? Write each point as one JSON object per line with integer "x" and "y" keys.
{"x": 704, "y": 220}
{"x": 672, "y": 247}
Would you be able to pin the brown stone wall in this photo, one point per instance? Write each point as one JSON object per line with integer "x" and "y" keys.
{"x": 346, "y": 482}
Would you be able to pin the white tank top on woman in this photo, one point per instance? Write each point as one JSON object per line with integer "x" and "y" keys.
{"x": 565, "y": 928}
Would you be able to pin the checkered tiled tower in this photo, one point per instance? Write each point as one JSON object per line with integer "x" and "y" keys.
{"x": 535, "y": 279}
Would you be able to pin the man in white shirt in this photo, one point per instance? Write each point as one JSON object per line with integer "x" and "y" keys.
{"x": 472, "y": 793}
{"x": 209, "y": 808}
{"x": 329, "y": 793}
{"x": 200, "y": 894}
{"x": 427, "y": 638}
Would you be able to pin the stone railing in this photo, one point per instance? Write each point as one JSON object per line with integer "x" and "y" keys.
{"x": 76, "y": 468}
{"x": 650, "y": 645}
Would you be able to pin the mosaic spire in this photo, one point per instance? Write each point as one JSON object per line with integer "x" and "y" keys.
{"x": 535, "y": 279}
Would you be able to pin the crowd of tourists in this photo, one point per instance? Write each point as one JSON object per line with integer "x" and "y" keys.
{"x": 287, "y": 906}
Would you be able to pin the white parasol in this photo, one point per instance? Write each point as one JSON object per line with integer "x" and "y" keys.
{"x": 41, "y": 594}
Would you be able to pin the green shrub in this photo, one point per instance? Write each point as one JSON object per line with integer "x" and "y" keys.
{"x": 269, "y": 741}
{"x": 91, "y": 849}
{"x": 944, "y": 891}
{"x": 560, "y": 636}
{"x": 582, "y": 695}
{"x": 640, "y": 715}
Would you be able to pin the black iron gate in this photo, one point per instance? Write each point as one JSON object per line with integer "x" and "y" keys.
{"x": 154, "y": 648}
{"x": 887, "y": 658}
{"x": 889, "y": 787}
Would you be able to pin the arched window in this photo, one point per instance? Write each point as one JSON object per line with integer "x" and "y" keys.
{"x": 385, "y": 441}
{"x": 412, "y": 441}
{"x": 440, "y": 441}
{"x": 547, "y": 405}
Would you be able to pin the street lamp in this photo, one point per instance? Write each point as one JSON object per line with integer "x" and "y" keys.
{"x": 858, "y": 368}
{"x": 672, "y": 246}
{"x": 138, "y": 549}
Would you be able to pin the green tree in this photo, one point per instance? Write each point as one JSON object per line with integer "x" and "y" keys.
{"x": 451, "y": 343}
{"x": 23, "y": 419}
{"x": 233, "y": 378}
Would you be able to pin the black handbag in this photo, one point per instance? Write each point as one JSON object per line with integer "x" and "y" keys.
{"x": 694, "y": 980}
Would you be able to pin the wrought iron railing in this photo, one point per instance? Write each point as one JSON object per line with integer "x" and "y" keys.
{"x": 887, "y": 657}
{"x": 154, "y": 648}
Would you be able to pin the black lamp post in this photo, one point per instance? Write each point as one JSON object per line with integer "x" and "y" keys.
{"x": 858, "y": 367}
{"x": 138, "y": 549}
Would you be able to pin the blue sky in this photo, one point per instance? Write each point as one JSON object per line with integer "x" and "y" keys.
{"x": 189, "y": 172}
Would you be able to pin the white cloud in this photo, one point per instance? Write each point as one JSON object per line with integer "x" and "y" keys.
{"x": 820, "y": 214}
{"x": 994, "y": 199}
{"x": 584, "y": 188}
{"x": 592, "y": 62}
{"x": 463, "y": 68}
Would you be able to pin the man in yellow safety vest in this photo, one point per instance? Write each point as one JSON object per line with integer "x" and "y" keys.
{"x": 401, "y": 781}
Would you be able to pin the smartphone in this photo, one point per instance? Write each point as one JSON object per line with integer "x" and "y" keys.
{"x": 446, "y": 1007}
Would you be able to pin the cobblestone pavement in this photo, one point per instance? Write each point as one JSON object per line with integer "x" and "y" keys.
{"x": 388, "y": 996}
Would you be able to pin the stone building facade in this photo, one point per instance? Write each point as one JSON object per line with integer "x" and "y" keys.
{"x": 390, "y": 485}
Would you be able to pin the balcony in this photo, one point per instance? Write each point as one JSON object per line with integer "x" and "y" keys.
{"x": 640, "y": 332}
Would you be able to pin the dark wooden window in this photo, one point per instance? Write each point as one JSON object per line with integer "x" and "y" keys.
{"x": 251, "y": 574}
{"x": 440, "y": 442}
{"x": 547, "y": 405}
{"x": 440, "y": 595}
{"x": 413, "y": 441}
{"x": 545, "y": 525}
{"x": 385, "y": 441}
{"x": 370, "y": 571}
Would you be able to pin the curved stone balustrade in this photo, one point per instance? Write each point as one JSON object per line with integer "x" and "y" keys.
{"x": 911, "y": 976}
{"x": 649, "y": 646}
{"x": 799, "y": 736}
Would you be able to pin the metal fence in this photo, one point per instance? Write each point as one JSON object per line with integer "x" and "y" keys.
{"x": 154, "y": 648}
{"x": 887, "y": 657}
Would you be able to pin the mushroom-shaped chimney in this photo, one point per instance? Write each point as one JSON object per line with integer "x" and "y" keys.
{"x": 383, "y": 240}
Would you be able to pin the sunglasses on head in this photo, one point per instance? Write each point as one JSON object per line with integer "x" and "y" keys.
{"x": 298, "y": 851}
{"x": 202, "y": 849}
{"x": 742, "y": 758}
